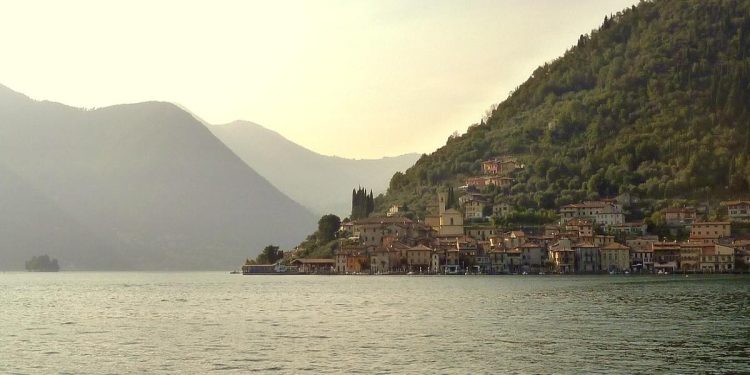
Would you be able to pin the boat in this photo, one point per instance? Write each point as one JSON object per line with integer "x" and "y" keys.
{"x": 234, "y": 272}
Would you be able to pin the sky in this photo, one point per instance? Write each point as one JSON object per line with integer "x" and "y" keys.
{"x": 358, "y": 79}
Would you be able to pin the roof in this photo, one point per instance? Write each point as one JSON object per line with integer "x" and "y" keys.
{"x": 420, "y": 248}
{"x": 615, "y": 246}
{"x": 585, "y": 245}
{"x": 588, "y": 204}
{"x": 735, "y": 203}
{"x": 711, "y": 223}
{"x": 518, "y": 233}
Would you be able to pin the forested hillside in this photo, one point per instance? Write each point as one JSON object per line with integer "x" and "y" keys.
{"x": 655, "y": 103}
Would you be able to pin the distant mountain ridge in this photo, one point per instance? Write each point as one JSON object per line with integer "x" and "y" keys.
{"x": 321, "y": 183}
{"x": 134, "y": 186}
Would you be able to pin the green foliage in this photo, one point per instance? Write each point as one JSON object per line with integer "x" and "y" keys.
{"x": 328, "y": 225}
{"x": 362, "y": 203}
{"x": 655, "y": 103}
{"x": 42, "y": 263}
{"x": 270, "y": 254}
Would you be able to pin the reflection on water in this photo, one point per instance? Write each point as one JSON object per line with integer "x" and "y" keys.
{"x": 205, "y": 322}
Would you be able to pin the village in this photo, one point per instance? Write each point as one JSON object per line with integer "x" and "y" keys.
{"x": 590, "y": 237}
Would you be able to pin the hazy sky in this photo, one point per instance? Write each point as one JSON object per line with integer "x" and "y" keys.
{"x": 350, "y": 78}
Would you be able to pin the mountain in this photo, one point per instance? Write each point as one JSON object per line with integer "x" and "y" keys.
{"x": 322, "y": 183}
{"x": 136, "y": 186}
{"x": 654, "y": 102}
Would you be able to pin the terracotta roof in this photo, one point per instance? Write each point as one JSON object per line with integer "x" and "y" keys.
{"x": 585, "y": 245}
{"x": 735, "y": 203}
{"x": 615, "y": 246}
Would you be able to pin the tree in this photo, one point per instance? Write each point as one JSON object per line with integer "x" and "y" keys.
{"x": 328, "y": 225}
{"x": 42, "y": 264}
{"x": 270, "y": 254}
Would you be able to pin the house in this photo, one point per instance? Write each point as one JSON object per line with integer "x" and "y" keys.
{"x": 372, "y": 230}
{"x": 533, "y": 257}
{"x": 710, "y": 231}
{"x": 587, "y": 258}
{"x": 603, "y": 212}
{"x": 502, "y": 166}
{"x": 395, "y": 210}
{"x": 419, "y": 258}
{"x": 562, "y": 256}
{"x": 615, "y": 257}
{"x": 679, "y": 216}
{"x": 737, "y": 210}
{"x": 584, "y": 227}
{"x": 351, "y": 257}
{"x": 505, "y": 261}
{"x": 717, "y": 258}
{"x": 666, "y": 256}
{"x": 473, "y": 206}
{"x": 690, "y": 256}
{"x": 481, "y": 232}
{"x": 630, "y": 229}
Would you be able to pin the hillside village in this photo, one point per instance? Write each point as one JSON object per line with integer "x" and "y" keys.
{"x": 458, "y": 237}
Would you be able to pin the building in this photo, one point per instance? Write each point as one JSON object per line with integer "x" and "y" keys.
{"x": 690, "y": 256}
{"x": 533, "y": 257}
{"x": 630, "y": 229}
{"x": 737, "y": 210}
{"x": 717, "y": 258}
{"x": 603, "y": 213}
{"x": 481, "y": 232}
{"x": 473, "y": 206}
{"x": 710, "y": 231}
{"x": 679, "y": 216}
{"x": 419, "y": 258}
{"x": 562, "y": 256}
{"x": 615, "y": 257}
{"x": 666, "y": 256}
{"x": 583, "y": 227}
{"x": 587, "y": 258}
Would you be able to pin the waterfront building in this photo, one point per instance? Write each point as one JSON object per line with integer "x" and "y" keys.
{"x": 587, "y": 258}
{"x": 533, "y": 257}
{"x": 666, "y": 256}
{"x": 717, "y": 258}
{"x": 615, "y": 257}
{"x": 562, "y": 256}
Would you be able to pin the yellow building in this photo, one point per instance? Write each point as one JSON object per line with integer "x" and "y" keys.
{"x": 615, "y": 257}
{"x": 717, "y": 258}
{"x": 710, "y": 231}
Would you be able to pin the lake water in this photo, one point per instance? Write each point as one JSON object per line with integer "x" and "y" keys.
{"x": 215, "y": 322}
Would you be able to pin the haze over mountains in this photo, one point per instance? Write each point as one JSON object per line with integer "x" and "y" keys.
{"x": 321, "y": 183}
{"x": 136, "y": 186}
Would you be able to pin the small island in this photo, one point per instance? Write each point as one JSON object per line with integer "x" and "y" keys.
{"x": 42, "y": 263}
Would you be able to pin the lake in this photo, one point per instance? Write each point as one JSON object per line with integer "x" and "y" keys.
{"x": 205, "y": 322}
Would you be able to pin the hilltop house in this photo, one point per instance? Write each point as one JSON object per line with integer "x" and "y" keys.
{"x": 737, "y": 210}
